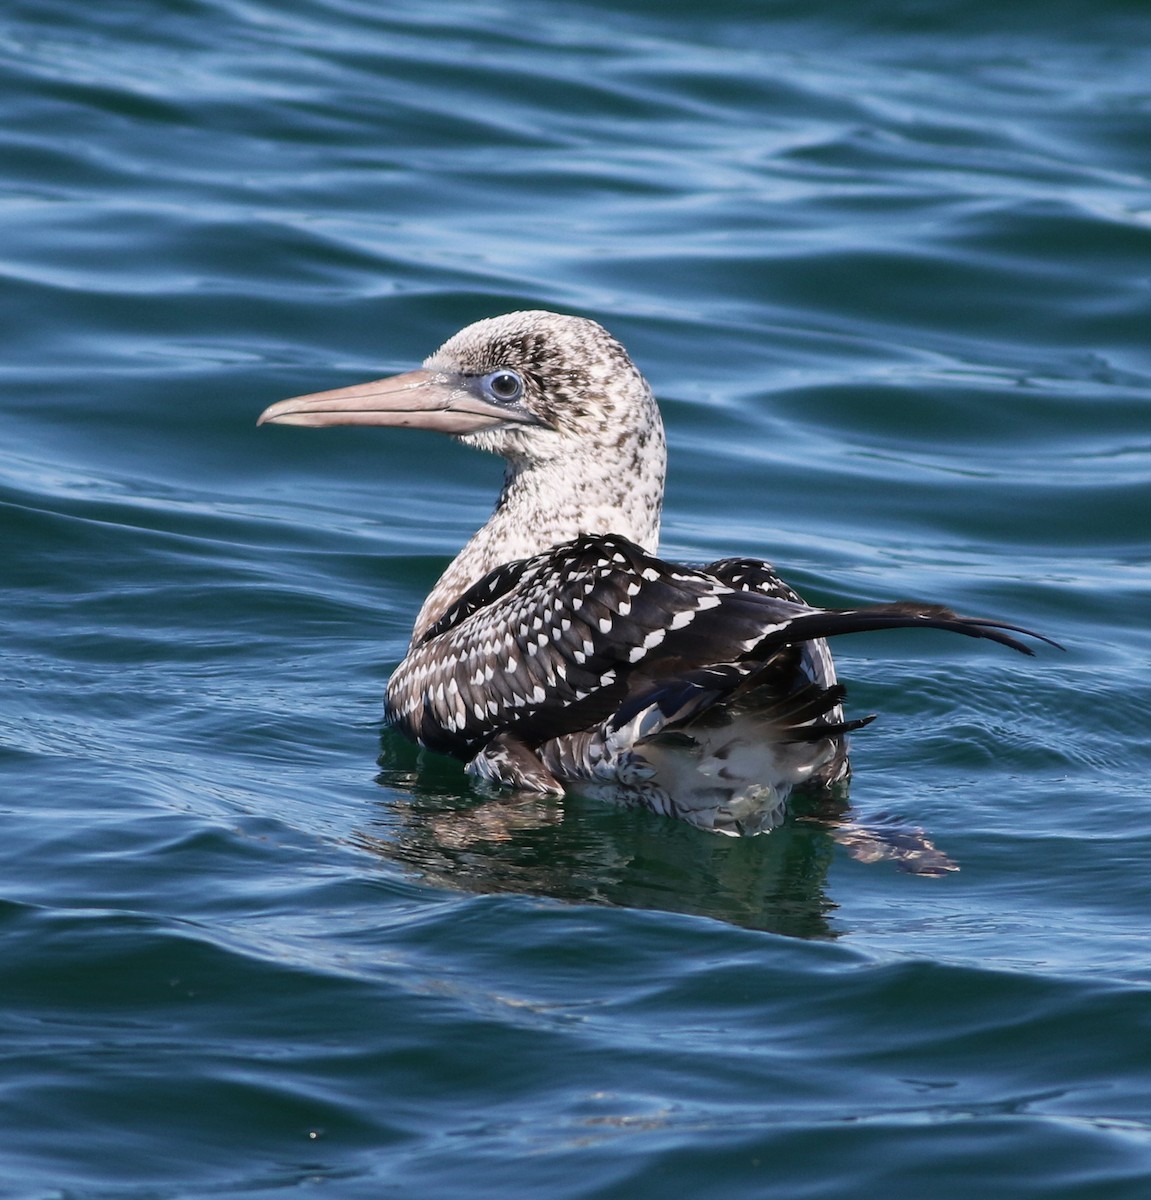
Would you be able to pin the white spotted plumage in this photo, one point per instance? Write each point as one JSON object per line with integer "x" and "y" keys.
{"x": 556, "y": 649}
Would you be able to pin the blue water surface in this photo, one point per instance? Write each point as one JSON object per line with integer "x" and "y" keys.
{"x": 888, "y": 267}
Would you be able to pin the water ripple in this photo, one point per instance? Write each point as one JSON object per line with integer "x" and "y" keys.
{"x": 887, "y": 274}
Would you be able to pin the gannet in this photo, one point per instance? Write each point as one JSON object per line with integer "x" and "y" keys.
{"x": 557, "y": 650}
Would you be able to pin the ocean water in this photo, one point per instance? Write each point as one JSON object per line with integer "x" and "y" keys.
{"x": 888, "y": 267}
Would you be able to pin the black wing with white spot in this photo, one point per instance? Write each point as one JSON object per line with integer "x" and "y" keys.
{"x": 752, "y": 575}
{"x": 557, "y": 643}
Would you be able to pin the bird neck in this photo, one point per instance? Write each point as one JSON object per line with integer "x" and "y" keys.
{"x": 617, "y": 490}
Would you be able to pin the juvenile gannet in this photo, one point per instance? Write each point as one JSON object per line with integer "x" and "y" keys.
{"x": 557, "y": 649}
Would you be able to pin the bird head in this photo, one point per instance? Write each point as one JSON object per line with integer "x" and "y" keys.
{"x": 529, "y": 386}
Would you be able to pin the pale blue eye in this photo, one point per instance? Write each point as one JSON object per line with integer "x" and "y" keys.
{"x": 504, "y": 386}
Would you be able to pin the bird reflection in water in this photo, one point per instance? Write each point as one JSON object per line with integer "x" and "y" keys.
{"x": 580, "y": 851}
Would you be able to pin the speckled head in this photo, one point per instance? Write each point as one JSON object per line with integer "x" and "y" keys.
{"x": 529, "y": 385}
{"x": 568, "y": 372}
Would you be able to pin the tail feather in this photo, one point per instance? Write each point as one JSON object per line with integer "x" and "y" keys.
{"x": 905, "y": 614}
